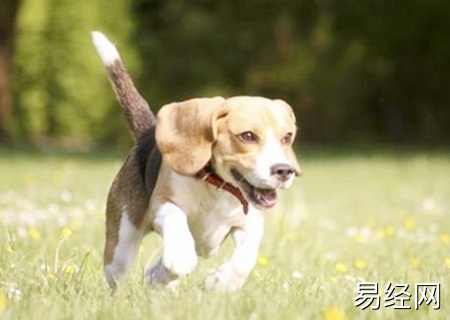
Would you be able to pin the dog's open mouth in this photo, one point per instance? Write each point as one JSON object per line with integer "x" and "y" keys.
{"x": 260, "y": 197}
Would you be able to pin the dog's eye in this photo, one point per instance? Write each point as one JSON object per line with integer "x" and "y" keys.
{"x": 248, "y": 136}
{"x": 287, "y": 139}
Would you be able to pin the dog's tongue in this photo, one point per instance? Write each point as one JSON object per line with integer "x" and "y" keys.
{"x": 267, "y": 197}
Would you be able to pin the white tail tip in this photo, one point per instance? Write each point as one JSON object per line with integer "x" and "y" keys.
{"x": 105, "y": 49}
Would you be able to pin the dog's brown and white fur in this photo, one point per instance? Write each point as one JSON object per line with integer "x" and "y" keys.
{"x": 247, "y": 141}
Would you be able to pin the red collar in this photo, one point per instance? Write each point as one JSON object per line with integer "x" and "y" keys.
{"x": 207, "y": 175}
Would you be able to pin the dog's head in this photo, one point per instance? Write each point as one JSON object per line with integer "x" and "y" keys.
{"x": 247, "y": 140}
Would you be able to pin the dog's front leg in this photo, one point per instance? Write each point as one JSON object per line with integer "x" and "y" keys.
{"x": 231, "y": 275}
{"x": 179, "y": 257}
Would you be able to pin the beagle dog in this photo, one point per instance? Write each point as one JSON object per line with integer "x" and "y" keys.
{"x": 202, "y": 170}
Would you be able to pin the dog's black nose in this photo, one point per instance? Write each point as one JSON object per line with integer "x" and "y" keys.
{"x": 282, "y": 171}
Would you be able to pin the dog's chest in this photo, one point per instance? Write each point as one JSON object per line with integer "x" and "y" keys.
{"x": 211, "y": 213}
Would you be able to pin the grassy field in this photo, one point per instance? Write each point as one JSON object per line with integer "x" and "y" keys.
{"x": 354, "y": 217}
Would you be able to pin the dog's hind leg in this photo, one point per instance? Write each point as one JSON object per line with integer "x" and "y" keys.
{"x": 119, "y": 260}
{"x": 126, "y": 207}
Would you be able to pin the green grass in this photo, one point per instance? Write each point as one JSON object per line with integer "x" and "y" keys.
{"x": 354, "y": 217}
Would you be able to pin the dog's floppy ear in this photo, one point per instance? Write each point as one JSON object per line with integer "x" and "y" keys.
{"x": 186, "y": 131}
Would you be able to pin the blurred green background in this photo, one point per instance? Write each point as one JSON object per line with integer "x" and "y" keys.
{"x": 373, "y": 71}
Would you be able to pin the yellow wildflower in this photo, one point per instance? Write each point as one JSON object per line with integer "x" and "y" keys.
{"x": 51, "y": 276}
{"x": 263, "y": 261}
{"x": 141, "y": 249}
{"x": 9, "y": 249}
{"x": 340, "y": 267}
{"x": 409, "y": 224}
{"x": 334, "y": 313}
{"x": 360, "y": 264}
{"x": 445, "y": 239}
{"x": 414, "y": 262}
{"x": 360, "y": 239}
{"x": 256, "y": 274}
{"x": 66, "y": 232}
{"x": 69, "y": 269}
{"x": 447, "y": 262}
{"x": 34, "y": 233}
{"x": 3, "y": 302}
{"x": 389, "y": 230}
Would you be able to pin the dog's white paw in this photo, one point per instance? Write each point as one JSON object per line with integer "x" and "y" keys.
{"x": 180, "y": 259}
{"x": 224, "y": 279}
{"x": 158, "y": 274}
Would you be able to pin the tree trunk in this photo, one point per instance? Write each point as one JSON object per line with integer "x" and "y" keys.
{"x": 8, "y": 15}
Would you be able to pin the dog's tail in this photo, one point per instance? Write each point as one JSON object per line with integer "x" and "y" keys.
{"x": 138, "y": 114}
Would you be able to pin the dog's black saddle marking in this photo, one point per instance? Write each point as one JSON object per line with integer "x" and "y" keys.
{"x": 149, "y": 159}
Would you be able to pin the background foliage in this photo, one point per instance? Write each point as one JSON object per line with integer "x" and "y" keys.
{"x": 62, "y": 94}
{"x": 353, "y": 70}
